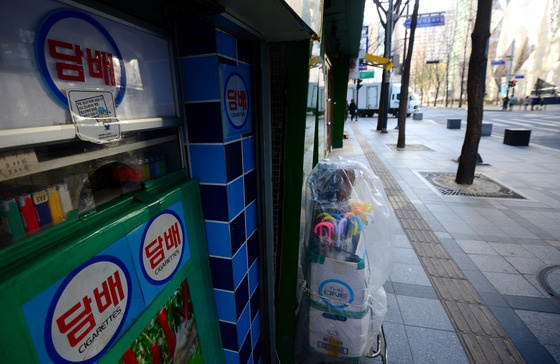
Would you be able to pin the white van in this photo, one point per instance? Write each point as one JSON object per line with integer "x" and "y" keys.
{"x": 368, "y": 99}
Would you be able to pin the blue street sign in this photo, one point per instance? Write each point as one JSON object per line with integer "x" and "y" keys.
{"x": 498, "y": 63}
{"x": 425, "y": 21}
{"x": 519, "y": 76}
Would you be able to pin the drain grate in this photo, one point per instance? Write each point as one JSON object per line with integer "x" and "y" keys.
{"x": 483, "y": 186}
{"x": 549, "y": 279}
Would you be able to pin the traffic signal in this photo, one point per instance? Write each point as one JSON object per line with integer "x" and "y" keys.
{"x": 358, "y": 84}
{"x": 512, "y": 83}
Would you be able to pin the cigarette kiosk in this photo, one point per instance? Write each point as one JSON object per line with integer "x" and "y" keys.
{"x": 103, "y": 252}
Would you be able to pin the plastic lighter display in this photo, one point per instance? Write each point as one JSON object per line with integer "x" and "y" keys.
{"x": 345, "y": 258}
{"x": 32, "y": 204}
{"x": 27, "y": 208}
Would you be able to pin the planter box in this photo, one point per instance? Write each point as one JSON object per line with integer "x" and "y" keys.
{"x": 518, "y": 137}
{"x": 486, "y": 129}
{"x": 453, "y": 123}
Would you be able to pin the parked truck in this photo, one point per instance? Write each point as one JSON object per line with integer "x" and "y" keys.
{"x": 369, "y": 94}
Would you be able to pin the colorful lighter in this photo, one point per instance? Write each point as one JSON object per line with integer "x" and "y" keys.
{"x": 54, "y": 206}
{"x": 28, "y": 214}
{"x": 41, "y": 201}
{"x": 64, "y": 196}
{"x": 9, "y": 213}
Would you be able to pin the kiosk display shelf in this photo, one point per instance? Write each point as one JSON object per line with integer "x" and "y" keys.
{"x": 90, "y": 297}
{"x": 47, "y": 185}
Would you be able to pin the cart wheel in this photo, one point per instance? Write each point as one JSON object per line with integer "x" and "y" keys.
{"x": 381, "y": 349}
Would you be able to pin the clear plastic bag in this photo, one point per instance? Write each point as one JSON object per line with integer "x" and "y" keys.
{"x": 345, "y": 257}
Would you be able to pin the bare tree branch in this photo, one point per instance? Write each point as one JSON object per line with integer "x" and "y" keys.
{"x": 400, "y": 10}
{"x": 381, "y": 12}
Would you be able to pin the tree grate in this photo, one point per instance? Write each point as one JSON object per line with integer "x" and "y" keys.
{"x": 483, "y": 186}
{"x": 549, "y": 279}
{"x": 411, "y": 148}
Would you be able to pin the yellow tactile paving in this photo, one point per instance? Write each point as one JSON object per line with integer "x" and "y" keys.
{"x": 482, "y": 336}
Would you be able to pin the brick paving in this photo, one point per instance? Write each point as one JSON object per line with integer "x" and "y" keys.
{"x": 483, "y": 338}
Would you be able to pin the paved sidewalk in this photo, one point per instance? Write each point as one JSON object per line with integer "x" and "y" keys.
{"x": 474, "y": 277}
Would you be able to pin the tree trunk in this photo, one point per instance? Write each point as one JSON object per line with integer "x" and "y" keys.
{"x": 462, "y": 81}
{"x": 382, "y": 115}
{"x": 405, "y": 80}
{"x": 475, "y": 91}
{"x": 392, "y": 13}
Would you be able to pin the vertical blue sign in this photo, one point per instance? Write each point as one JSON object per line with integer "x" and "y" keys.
{"x": 236, "y": 101}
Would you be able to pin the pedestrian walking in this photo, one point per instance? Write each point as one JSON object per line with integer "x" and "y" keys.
{"x": 505, "y": 103}
{"x": 353, "y": 108}
{"x": 526, "y": 102}
{"x": 511, "y": 102}
{"x": 533, "y": 102}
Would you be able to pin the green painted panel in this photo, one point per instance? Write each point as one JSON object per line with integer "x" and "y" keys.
{"x": 340, "y": 80}
{"x": 293, "y": 179}
{"x": 70, "y": 246}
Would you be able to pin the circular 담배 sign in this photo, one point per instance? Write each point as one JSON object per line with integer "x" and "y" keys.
{"x": 236, "y": 100}
{"x": 162, "y": 247}
{"x": 88, "y": 311}
{"x": 74, "y": 50}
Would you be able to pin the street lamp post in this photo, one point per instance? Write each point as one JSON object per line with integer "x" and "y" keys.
{"x": 511, "y": 70}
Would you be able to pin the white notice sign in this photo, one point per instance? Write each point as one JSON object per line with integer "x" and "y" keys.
{"x": 94, "y": 114}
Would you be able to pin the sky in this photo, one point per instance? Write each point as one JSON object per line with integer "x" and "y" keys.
{"x": 426, "y": 6}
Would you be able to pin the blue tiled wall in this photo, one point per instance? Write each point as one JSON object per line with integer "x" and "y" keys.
{"x": 227, "y": 175}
